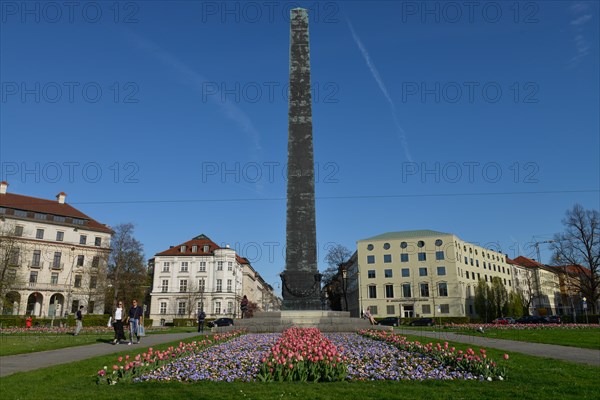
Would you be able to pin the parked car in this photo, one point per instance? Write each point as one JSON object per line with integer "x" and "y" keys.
{"x": 503, "y": 321}
{"x": 422, "y": 322}
{"x": 532, "y": 319}
{"x": 220, "y": 322}
{"x": 554, "y": 319}
{"x": 389, "y": 321}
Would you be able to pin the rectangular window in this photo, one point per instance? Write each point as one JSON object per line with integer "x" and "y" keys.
{"x": 217, "y": 307}
{"x": 166, "y": 266}
{"x": 183, "y": 285}
{"x": 370, "y": 259}
{"x": 484, "y": 266}
{"x": 466, "y": 260}
{"x": 406, "y": 290}
{"x": 18, "y": 230}
{"x": 96, "y": 262}
{"x": 74, "y": 306}
{"x": 422, "y": 257}
{"x": 439, "y": 255}
{"x": 195, "y": 250}
{"x": 471, "y": 261}
{"x": 424, "y": 289}
{"x": 39, "y": 216}
{"x": 163, "y": 307}
{"x": 229, "y": 266}
{"x": 423, "y": 271}
{"x": 445, "y": 308}
{"x": 372, "y": 292}
{"x": 229, "y": 281}
{"x": 14, "y": 257}
{"x": 443, "y": 289}
{"x": 37, "y": 255}
{"x": 486, "y": 278}
{"x": 201, "y": 285}
{"x": 78, "y": 281}
{"x": 477, "y": 263}
{"x": 39, "y": 234}
{"x": 90, "y": 309}
{"x": 371, "y": 274}
{"x": 21, "y": 213}
{"x": 184, "y": 266}
{"x": 219, "y": 285}
{"x": 202, "y": 267}
{"x": 374, "y": 310}
{"x": 60, "y": 236}
{"x": 388, "y": 273}
{"x": 33, "y": 275}
{"x": 391, "y": 310}
{"x": 181, "y": 308}
{"x": 403, "y": 257}
{"x": 80, "y": 259}
{"x": 230, "y": 306}
{"x": 56, "y": 261}
{"x": 58, "y": 218}
{"x": 98, "y": 241}
{"x": 182, "y": 249}
{"x": 165, "y": 286}
{"x": 389, "y": 291}
{"x": 93, "y": 282}
{"x": 426, "y": 309}
{"x": 387, "y": 258}
{"x": 54, "y": 278}
{"x": 405, "y": 272}
{"x": 220, "y": 266}
{"x": 441, "y": 270}
{"x": 82, "y": 239}
{"x": 78, "y": 221}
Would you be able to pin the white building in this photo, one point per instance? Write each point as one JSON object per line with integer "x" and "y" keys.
{"x": 538, "y": 284}
{"x": 53, "y": 257}
{"x": 421, "y": 273}
{"x": 199, "y": 274}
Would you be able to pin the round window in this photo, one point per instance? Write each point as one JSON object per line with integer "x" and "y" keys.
{"x": 420, "y": 243}
{"x": 369, "y": 247}
{"x": 386, "y": 246}
{"x": 439, "y": 242}
{"x": 403, "y": 245}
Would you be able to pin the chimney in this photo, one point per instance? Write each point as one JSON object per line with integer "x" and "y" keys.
{"x": 61, "y": 197}
{"x": 3, "y": 186}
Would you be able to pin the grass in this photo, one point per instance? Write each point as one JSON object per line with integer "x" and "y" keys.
{"x": 586, "y": 338}
{"x": 529, "y": 378}
{"x": 30, "y": 342}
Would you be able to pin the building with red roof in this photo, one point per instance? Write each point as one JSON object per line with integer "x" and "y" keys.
{"x": 53, "y": 256}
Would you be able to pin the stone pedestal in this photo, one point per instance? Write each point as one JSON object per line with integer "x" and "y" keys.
{"x": 278, "y": 321}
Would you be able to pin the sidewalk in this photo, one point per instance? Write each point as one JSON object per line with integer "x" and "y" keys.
{"x": 32, "y": 361}
{"x": 565, "y": 353}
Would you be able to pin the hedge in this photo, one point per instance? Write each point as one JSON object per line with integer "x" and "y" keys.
{"x": 7, "y": 321}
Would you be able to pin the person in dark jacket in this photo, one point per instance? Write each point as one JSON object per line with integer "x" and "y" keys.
{"x": 201, "y": 318}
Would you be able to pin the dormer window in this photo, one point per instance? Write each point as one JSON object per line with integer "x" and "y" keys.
{"x": 206, "y": 248}
{"x": 182, "y": 249}
{"x": 194, "y": 249}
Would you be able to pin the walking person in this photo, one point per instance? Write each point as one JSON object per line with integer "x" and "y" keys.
{"x": 78, "y": 321}
{"x": 201, "y": 318}
{"x": 118, "y": 324}
{"x": 244, "y": 306}
{"x": 136, "y": 316}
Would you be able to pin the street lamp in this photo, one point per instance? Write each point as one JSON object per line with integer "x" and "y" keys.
{"x": 66, "y": 308}
{"x": 344, "y": 286}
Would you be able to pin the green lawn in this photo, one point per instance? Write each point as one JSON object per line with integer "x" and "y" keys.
{"x": 587, "y": 338}
{"x": 529, "y": 378}
{"x": 30, "y": 342}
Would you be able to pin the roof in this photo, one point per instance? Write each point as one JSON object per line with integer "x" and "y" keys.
{"x": 572, "y": 269}
{"x": 407, "y": 235}
{"x": 527, "y": 262}
{"x": 53, "y": 207}
{"x": 200, "y": 241}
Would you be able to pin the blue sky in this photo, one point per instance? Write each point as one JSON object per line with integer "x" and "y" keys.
{"x": 480, "y": 121}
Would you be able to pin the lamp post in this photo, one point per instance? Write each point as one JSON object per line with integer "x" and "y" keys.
{"x": 344, "y": 286}
{"x": 584, "y": 304}
{"x": 66, "y": 308}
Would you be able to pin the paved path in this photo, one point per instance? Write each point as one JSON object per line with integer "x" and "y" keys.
{"x": 566, "y": 353}
{"x": 31, "y": 361}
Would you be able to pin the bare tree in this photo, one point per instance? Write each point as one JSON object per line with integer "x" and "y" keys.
{"x": 10, "y": 257}
{"x": 337, "y": 255}
{"x": 579, "y": 246}
{"x": 526, "y": 287}
{"x": 127, "y": 270}
{"x": 193, "y": 295}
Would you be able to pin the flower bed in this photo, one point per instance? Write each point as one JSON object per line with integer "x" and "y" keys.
{"x": 128, "y": 368}
{"x": 520, "y": 326}
{"x": 308, "y": 355}
{"x": 303, "y": 355}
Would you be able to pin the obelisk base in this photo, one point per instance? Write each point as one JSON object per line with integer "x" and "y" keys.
{"x": 301, "y": 290}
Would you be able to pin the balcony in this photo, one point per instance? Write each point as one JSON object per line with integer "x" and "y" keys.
{"x": 57, "y": 266}
{"x": 38, "y": 265}
{"x": 50, "y": 287}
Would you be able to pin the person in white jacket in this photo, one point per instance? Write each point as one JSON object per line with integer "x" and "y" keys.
{"x": 118, "y": 323}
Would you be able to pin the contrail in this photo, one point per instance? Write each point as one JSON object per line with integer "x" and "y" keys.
{"x": 383, "y": 89}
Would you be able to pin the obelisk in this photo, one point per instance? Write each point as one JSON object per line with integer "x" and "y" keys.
{"x": 301, "y": 280}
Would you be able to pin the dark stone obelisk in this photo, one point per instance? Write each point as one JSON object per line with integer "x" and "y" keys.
{"x": 301, "y": 279}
